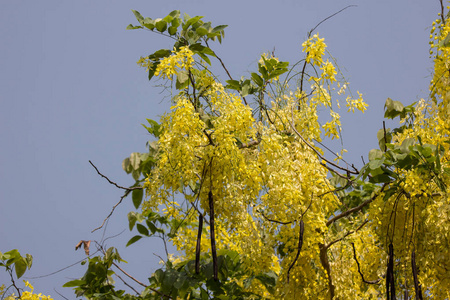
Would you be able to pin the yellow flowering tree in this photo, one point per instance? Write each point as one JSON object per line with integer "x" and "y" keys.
{"x": 238, "y": 180}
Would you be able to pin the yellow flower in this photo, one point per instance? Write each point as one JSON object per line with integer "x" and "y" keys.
{"x": 315, "y": 49}
{"x": 328, "y": 71}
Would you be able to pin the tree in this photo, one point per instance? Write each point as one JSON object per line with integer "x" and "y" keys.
{"x": 238, "y": 179}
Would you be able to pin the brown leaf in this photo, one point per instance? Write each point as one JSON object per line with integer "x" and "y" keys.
{"x": 86, "y": 245}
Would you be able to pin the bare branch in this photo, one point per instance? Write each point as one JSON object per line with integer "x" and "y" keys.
{"x": 113, "y": 183}
{"x": 112, "y": 210}
{"x": 329, "y": 17}
{"x": 140, "y": 283}
{"x": 224, "y": 67}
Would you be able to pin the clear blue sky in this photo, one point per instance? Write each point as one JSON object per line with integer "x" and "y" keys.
{"x": 70, "y": 91}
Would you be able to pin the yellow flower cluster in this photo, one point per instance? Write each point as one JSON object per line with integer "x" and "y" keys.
{"x": 333, "y": 127}
{"x": 28, "y": 295}
{"x": 329, "y": 71}
{"x": 145, "y": 62}
{"x": 359, "y": 103}
{"x": 169, "y": 66}
{"x": 315, "y": 49}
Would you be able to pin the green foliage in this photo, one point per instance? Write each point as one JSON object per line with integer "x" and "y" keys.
{"x": 14, "y": 260}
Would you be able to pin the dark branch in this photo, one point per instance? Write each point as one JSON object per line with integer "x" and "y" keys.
{"x": 346, "y": 235}
{"x": 112, "y": 210}
{"x": 417, "y": 287}
{"x": 357, "y": 208}
{"x": 359, "y": 269}
{"x": 225, "y": 68}
{"x": 113, "y": 183}
{"x": 199, "y": 240}
{"x": 329, "y": 17}
{"x": 299, "y": 248}
{"x": 213, "y": 237}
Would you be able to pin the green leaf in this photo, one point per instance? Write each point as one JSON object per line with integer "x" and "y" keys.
{"x": 381, "y": 178}
{"x": 375, "y": 164}
{"x": 233, "y": 84}
{"x": 126, "y": 165}
{"x": 21, "y": 266}
{"x": 269, "y": 280}
{"x": 154, "y": 128}
{"x": 201, "y": 31}
{"x": 151, "y": 226}
{"x": 131, "y": 219}
{"x": 29, "y": 259}
{"x": 375, "y": 154}
{"x": 173, "y": 30}
{"x": 190, "y": 21}
{"x": 219, "y": 28}
{"x": 135, "y": 160}
{"x": 161, "y": 53}
{"x": 161, "y": 25}
{"x": 137, "y": 196}
{"x": 131, "y": 27}
{"x": 138, "y": 16}
{"x": 76, "y": 282}
{"x": 149, "y": 23}
{"x": 257, "y": 79}
{"x": 393, "y": 108}
{"x": 406, "y": 144}
{"x": 142, "y": 229}
{"x": 134, "y": 239}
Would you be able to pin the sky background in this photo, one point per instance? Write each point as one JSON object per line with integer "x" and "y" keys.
{"x": 71, "y": 91}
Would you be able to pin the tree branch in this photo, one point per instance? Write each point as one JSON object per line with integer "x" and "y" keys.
{"x": 213, "y": 237}
{"x": 359, "y": 269}
{"x": 417, "y": 287}
{"x": 299, "y": 248}
{"x": 357, "y": 208}
{"x": 112, "y": 210}
{"x": 113, "y": 183}
{"x": 346, "y": 235}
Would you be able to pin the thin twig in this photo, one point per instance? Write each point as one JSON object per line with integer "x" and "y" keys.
{"x": 329, "y": 17}
{"x": 113, "y": 183}
{"x": 140, "y": 283}
{"x": 314, "y": 149}
{"x": 127, "y": 284}
{"x": 275, "y": 221}
{"x": 112, "y": 210}
{"x": 60, "y": 294}
{"x": 224, "y": 67}
{"x": 346, "y": 235}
